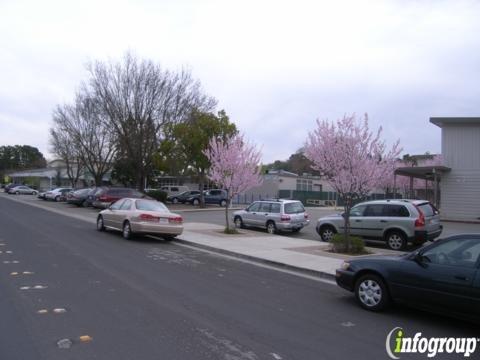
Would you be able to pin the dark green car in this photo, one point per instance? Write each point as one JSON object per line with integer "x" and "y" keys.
{"x": 441, "y": 277}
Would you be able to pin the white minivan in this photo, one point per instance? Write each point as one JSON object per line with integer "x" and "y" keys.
{"x": 174, "y": 189}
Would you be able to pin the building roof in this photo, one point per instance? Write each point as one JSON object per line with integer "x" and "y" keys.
{"x": 422, "y": 172}
{"x": 281, "y": 173}
{"x": 441, "y": 121}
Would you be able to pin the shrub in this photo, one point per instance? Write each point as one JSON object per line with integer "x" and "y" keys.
{"x": 158, "y": 195}
{"x": 338, "y": 245}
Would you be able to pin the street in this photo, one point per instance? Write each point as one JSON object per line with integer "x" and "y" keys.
{"x": 147, "y": 299}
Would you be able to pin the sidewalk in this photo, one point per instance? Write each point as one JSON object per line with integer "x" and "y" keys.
{"x": 296, "y": 254}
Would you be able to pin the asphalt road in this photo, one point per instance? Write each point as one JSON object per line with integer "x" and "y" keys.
{"x": 145, "y": 299}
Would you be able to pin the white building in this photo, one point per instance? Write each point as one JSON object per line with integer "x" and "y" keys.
{"x": 460, "y": 187}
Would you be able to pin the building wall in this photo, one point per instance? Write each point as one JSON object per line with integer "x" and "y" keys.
{"x": 460, "y": 187}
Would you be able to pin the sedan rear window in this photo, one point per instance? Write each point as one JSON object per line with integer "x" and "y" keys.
{"x": 148, "y": 205}
{"x": 294, "y": 208}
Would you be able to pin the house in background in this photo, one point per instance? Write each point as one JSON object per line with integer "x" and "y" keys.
{"x": 54, "y": 175}
{"x": 284, "y": 184}
{"x": 460, "y": 186}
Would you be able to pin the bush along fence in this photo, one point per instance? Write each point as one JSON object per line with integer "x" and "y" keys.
{"x": 308, "y": 198}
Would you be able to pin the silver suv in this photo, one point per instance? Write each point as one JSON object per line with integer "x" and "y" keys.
{"x": 397, "y": 222}
{"x": 274, "y": 215}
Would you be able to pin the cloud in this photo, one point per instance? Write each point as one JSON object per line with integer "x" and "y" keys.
{"x": 275, "y": 66}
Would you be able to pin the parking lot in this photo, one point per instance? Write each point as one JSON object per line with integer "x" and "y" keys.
{"x": 213, "y": 214}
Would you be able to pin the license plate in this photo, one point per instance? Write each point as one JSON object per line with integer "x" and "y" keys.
{"x": 163, "y": 221}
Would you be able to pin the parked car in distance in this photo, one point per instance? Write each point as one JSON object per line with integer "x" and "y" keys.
{"x": 273, "y": 215}
{"x": 9, "y": 186}
{"x": 79, "y": 197}
{"x": 443, "y": 276}
{"x": 91, "y": 196}
{"x": 214, "y": 196}
{"x": 22, "y": 190}
{"x": 396, "y": 222}
{"x": 58, "y": 194}
{"x": 108, "y": 195}
{"x": 174, "y": 189}
{"x": 140, "y": 216}
{"x": 182, "y": 197}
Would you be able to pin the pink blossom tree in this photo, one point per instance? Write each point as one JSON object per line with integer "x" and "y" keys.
{"x": 235, "y": 167}
{"x": 351, "y": 158}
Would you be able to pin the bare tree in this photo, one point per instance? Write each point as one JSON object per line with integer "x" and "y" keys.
{"x": 63, "y": 146}
{"x": 137, "y": 99}
{"x": 93, "y": 138}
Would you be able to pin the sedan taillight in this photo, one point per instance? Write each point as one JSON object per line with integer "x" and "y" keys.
{"x": 175, "y": 220}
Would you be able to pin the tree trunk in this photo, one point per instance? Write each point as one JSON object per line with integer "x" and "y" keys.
{"x": 226, "y": 214}
{"x": 201, "y": 185}
{"x": 98, "y": 179}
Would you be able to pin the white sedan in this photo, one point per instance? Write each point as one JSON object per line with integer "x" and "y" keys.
{"x": 17, "y": 190}
{"x": 140, "y": 216}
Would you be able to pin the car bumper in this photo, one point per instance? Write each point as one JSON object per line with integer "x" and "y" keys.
{"x": 345, "y": 279}
{"x": 292, "y": 226}
{"x": 165, "y": 229}
{"x": 422, "y": 236}
{"x": 100, "y": 205}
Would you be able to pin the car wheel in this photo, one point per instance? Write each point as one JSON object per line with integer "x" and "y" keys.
{"x": 371, "y": 292}
{"x": 127, "y": 230}
{"x": 326, "y": 233}
{"x": 223, "y": 203}
{"x": 17, "y": 192}
{"x": 175, "y": 200}
{"x": 271, "y": 228}
{"x": 238, "y": 222}
{"x": 196, "y": 201}
{"x": 396, "y": 240}
{"x": 34, "y": 193}
{"x": 57, "y": 198}
{"x": 100, "y": 224}
{"x": 85, "y": 203}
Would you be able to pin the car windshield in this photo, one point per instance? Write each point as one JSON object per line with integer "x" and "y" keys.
{"x": 149, "y": 205}
{"x": 294, "y": 208}
{"x": 82, "y": 191}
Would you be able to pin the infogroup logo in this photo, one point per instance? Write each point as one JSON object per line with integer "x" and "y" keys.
{"x": 397, "y": 343}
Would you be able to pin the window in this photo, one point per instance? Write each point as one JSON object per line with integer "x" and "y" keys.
{"x": 174, "y": 189}
{"x": 294, "y": 208}
{"x": 264, "y": 207}
{"x": 127, "y": 204}
{"x": 458, "y": 252}
{"x": 304, "y": 185}
{"x": 427, "y": 209}
{"x": 116, "y": 205}
{"x": 357, "y": 210}
{"x": 254, "y": 207}
{"x": 275, "y": 208}
{"x": 374, "y": 210}
{"x": 148, "y": 205}
{"x": 396, "y": 211}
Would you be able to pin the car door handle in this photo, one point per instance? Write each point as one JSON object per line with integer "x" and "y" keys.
{"x": 266, "y": 214}
{"x": 358, "y": 220}
{"x": 461, "y": 277}
{"x": 383, "y": 221}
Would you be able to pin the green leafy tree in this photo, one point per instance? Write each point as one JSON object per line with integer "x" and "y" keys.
{"x": 183, "y": 151}
{"x": 20, "y": 157}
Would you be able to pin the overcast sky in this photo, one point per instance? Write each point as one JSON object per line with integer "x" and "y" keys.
{"x": 274, "y": 66}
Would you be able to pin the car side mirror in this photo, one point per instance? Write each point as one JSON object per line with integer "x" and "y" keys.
{"x": 420, "y": 259}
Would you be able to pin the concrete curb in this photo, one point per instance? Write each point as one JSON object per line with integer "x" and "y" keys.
{"x": 320, "y": 274}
